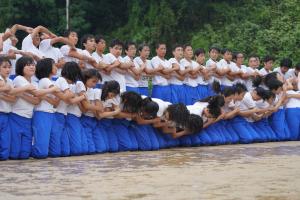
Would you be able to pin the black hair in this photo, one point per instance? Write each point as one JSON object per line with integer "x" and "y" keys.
{"x": 227, "y": 91}
{"x": 240, "y": 88}
{"x": 178, "y": 113}
{"x": 194, "y": 123}
{"x": 110, "y": 86}
{"x": 85, "y": 38}
{"x": 186, "y": 46}
{"x": 274, "y": 84}
{"x": 235, "y": 54}
{"x": 68, "y": 32}
{"x": 90, "y": 73}
{"x": 199, "y": 51}
{"x": 175, "y": 46}
{"x": 286, "y": 62}
{"x": 253, "y": 56}
{"x": 141, "y": 46}
{"x": 297, "y": 66}
{"x": 157, "y": 45}
{"x": 213, "y": 48}
{"x": 21, "y": 63}
{"x": 149, "y": 106}
{"x": 262, "y": 93}
{"x": 4, "y": 59}
{"x": 266, "y": 80}
{"x": 256, "y": 81}
{"x": 268, "y": 58}
{"x": 116, "y": 42}
{"x": 98, "y": 38}
{"x": 129, "y": 43}
{"x": 71, "y": 71}
{"x": 43, "y": 68}
{"x": 224, "y": 50}
{"x": 214, "y": 105}
{"x": 131, "y": 101}
{"x": 269, "y": 94}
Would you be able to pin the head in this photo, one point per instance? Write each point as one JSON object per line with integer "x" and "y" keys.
{"x": 116, "y": 47}
{"x": 131, "y": 101}
{"x": 268, "y": 62}
{"x": 36, "y": 40}
{"x": 14, "y": 40}
{"x": 177, "y": 51}
{"x": 161, "y": 49}
{"x": 144, "y": 51}
{"x": 5, "y": 67}
{"x": 90, "y": 77}
{"x": 259, "y": 93}
{"x": 88, "y": 42}
{"x": 110, "y": 89}
{"x": 239, "y": 58}
{"x": 188, "y": 52}
{"x": 285, "y": 65}
{"x": 25, "y": 67}
{"x": 240, "y": 91}
{"x": 270, "y": 97}
{"x": 275, "y": 86}
{"x": 200, "y": 56}
{"x": 194, "y": 124}
{"x": 130, "y": 49}
{"x": 100, "y": 43}
{"x": 148, "y": 109}
{"x": 45, "y": 68}
{"x": 177, "y": 114}
{"x": 227, "y": 54}
{"x": 214, "y": 107}
{"x": 252, "y": 62}
{"x": 72, "y": 72}
{"x": 72, "y": 36}
{"x": 228, "y": 94}
{"x": 214, "y": 53}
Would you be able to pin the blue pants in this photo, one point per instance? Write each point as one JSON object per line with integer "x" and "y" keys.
{"x": 231, "y": 135}
{"x": 42, "y": 123}
{"x": 89, "y": 125}
{"x": 21, "y": 136}
{"x": 244, "y": 130}
{"x": 185, "y": 141}
{"x": 202, "y": 91}
{"x": 191, "y": 95}
{"x": 161, "y": 92}
{"x": 144, "y": 91}
{"x": 204, "y": 138}
{"x": 77, "y": 138}
{"x": 293, "y": 121}
{"x": 104, "y": 137}
{"x": 145, "y": 137}
{"x": 279, "y": 125}
{"x": 4, "y": 136}
{"x": 132, "y": 89}
{"x": 263, "y": 128}
{"x": 177, "y": 94}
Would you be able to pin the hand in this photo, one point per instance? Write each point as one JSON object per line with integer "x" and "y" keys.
{"x": 55, "y": 89}
{"x": 29, "y": 30}
{"x": 117, "y": 63}
{"x": 30, "y": 87}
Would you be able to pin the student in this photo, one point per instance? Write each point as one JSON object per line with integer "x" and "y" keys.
{"x": 285, "y": 69}
{"x": 176, "y": 81}
{"x": 252, "y": 72}
{"x": 162, "y": 69}
{"x": 143, "y": 62}
{"x": 268, "y": 65}
{"x": 203, "y": 75}
{"x": 42, "y": 121}
{"x": 59, "y": 140}
{"x": 6, "y": 101}
{"x": 88, "y": 43}
{"x": 189, "y": 68}
{"x": 211, "y": 64}
{"x": 238, "y": 58}
{"x": 292, "y": 114}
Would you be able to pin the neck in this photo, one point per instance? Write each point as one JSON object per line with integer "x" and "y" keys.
{"x": 28, "y": 78}
{"x": 161, "y": 57}
{"x": 100, "y": 52}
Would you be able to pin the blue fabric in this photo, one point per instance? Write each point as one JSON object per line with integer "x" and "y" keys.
{"x": 104, "y": 137}
{"x": 89, "y": 126}
{"x": 244, "y": 130}
{"x": 4, "y": 136}
{"x": 21, "y": 136}
{"x": 191, "y": 95}
{"x": 144, "y": 91}
{"x": 293, "y": 122}
{"x": 263, "y": 128}
{"x": 142, "y": 136}
{"x": 133, "y": 89}
{"x": 42, "y": 123}
{"x": 279, "y": 125}
{"x": 203, "y": 91}
{"x": 234, "y": 138}
{"x": 204, "y": 138}
{"x": 12, "y": 77}
{"x": 161, "y": 92}
{"x": 177, "y": 94}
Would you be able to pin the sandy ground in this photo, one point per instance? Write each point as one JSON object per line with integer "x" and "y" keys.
{"x": 266, "y": 171}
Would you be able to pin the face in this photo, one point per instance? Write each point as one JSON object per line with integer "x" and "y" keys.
{"x": 188, "y": 52}
{"x": 207, "y": 113}
{"x": 131, "y": 51}
{"x": 111, "y": 95}
{"x": 227, "y": 56}
{"x": 91, "y": 83}
{"x": 252, "y": 62}
{"x": 54, "y": 69}
{"x": 145, "y": 52}
{"x": 178, "y": 53}
{"x": 229, "y": 98}
{"x": 116, "y": 50}
{"x": 161, "y": 50}
{"x": 278, "y": 91}
{"x": 239, "y": 97}
{"x": 255, "y": 97}
{"x": 240, "y": 59}
{"x": 284, "y": 69}
{"x": 271, "y": 100}
{"x": 73, "y": 38}
{"x": 29, "y": 70}
{"x": 5, "y": 69}
{"x": 36, "y": 40}
{"x": 269, "y": 64}
{"x": 90, "y": 44}
{"x": 200, "y": 58}
{"x": 101, "y": 45}
{"x": 14, "y": 40}
{"x": 214, "y": 54}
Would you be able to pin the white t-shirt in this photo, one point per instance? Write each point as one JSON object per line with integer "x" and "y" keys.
{"x": 63, "y": 85}
{"x": 208, "y": 64}
{"x": 91, "y": 95}
{"x": 222, "y": 64}
{"x": 27, "y": 45}
{"x": 198, "y": 108}
{"x": 45, "y": 106}
{"x": 4, "y": 105}
{"x": 114, "y": 75}
{"x": 76, "y": 89}
{"x": 293, "y": 102}
{"x": 22, "y": 107}
{"x": 247, "y": 103}
{"x": 264, "y": 72}
{"x": 130, "y": 81}
{"x": 163, "y": 105}
{"x": 236, "y": 68}
{"x": 65, "y": 50}
{"x": 249, "y": 82}
{"x": 289, "y": 74}
{"x": 98, "y": 58}
{"x": 6, "y": 47}
{"x": 143, "y": 82}
{"x": 184, "y": 63}
{"x": 87, "y": 65}
{"x": 174, "y": 80}
{"x": 155, "y": 62}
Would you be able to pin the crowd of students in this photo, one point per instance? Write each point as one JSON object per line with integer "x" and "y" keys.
{"x": 68, "y": 101}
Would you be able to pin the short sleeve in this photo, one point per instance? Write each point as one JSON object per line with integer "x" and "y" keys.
{"x": 20, "y": 81}
{"x": 62, "y": 84}
{"x": 45, "y": 45}
{"x": 44, "y": 83}
{"x": 27, "y": 43}
{"x": 80, "y": 87}
{"x": 155, "y": 62}
{"x": 249, "y": 102}
{"x": 65, "y": 50}
{"x": 98, "y": 93}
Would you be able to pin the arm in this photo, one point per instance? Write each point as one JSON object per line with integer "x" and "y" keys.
{"x": 31, "y": 99}
{"x": 52, "y": 101}
{"x": 8, "y": 98}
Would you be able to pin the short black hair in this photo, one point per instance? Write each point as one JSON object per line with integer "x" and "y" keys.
{"x": 214, "y": 48}
{"x": 110, "y": 86}
{"x": 71, "y": 71}
{"x": 131, "y": 101}
{"x": 21, "y": 63}
{"x": 85, "y": 38}
{"x": 116, "y": 42}
{"x": 68, "y": 32}
{"x": 90, "y": 73}
{"x": 268, "y": 58}
{"x": 194, "y": 123}
{"x": 98, "y": 38}
{"x": 157, "y": 45}
{"x": 175, "y": 46}
{"x": 286, "y": 62}
{"x": 199, "y": 51}
{"x": 224, "y": 50}
{"x": 43, "y": 68}
{"x": 141, "y": 46}
{"x": 128, "y": 44}
{"x": 150, "y": 107}
{"x": 186, "y": 46}
{"x": 240, "y": 88}
{"x": 178, "y": 113}
{"x": 4, "y": 59}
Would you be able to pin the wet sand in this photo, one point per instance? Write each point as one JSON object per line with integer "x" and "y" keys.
{"x": 267, "y": 171}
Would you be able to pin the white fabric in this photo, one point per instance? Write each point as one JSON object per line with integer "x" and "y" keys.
{"x": 208, "y": 65}
{"x": 63, "y": 85}
{"x": 247, "y": 103}
{"x": 184, "y": 63}
{"x": 27, "y": 45}
{"x": 91, "y": 95}
{"x": 163, "y": 105}
{"x": 88, "y": 54}
{"x": 155, "y": 62}
{"x": 293, "y": 102}
{"x": 174, "y": 80}
{"x": 130, "y": 81}
{"x": 44, "y": 105}
{"x": 264, "y": 72}
{"x": 6, "y": 47}
{"x": 5, "y": 106}
{"x": 65, "y": 50}
{"x": 221, "y": 65}
{"x": 143, "y": 82}
{"x": 74, "y": 108}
